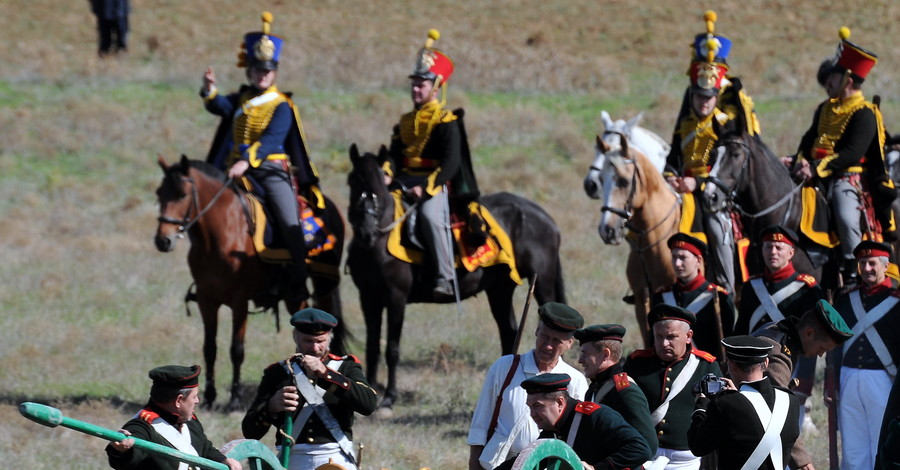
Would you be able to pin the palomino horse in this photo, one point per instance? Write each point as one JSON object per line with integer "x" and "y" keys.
{"x": 650, "y": 144}
{"x": 638, "y": 199}
{"x": 749, "y": 178}
{"x": 387, "y": 282}
{"x": 196, "y": 199}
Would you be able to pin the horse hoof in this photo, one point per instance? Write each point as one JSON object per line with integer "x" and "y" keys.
{"x": 384, "y": 412}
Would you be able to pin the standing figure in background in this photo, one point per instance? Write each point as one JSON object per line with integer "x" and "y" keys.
{"x": 112, "y": 23}
{"x": 843, "y": 153}
{"x": 429, "y": 158}
{"x": 868, "y": 361}
{"x": 500, "y": 426}
{"x": 712, "y": 304}
{"x": 260, "y": 141}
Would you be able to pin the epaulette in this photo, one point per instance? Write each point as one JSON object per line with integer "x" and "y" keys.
{"x": 703, "y": 355}
{"x": 335, "y": 357}
{"x": 643, "y": 353}
{"x": 807, "y": 278}
{"x": 351, "y": 357}
{"x": 717, "y": 288}
{"x": 621, "y": 381}
{"x": 587, "y": 407}
{"x": 147, "y": 416}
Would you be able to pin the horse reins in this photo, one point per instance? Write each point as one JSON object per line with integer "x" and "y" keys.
{"x": 185, "y": 224}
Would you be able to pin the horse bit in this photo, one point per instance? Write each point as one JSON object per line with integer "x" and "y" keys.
{"x": 185, "y": 224}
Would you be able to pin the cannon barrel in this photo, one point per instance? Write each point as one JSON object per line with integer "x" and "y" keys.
{"x": 52, "y": 417}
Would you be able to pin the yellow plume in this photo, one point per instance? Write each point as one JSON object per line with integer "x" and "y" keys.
{"x": 433, "y": 35}
{"x": 267, "y": 22}
{"x": 844, "y": 33}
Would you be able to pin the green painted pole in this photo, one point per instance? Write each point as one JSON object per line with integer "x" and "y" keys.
{"x": 287, "y": 440}
{"x": 52, "y": 417}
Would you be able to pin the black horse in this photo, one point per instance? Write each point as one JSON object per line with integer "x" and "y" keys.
{"x": 749, "y": 178}
{"x": 387, "y": 282}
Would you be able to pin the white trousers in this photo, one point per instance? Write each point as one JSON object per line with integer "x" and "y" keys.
{"x": 863, "y": 399}
{"x": 670, "y": 459}
{"x": 311, "y": 456}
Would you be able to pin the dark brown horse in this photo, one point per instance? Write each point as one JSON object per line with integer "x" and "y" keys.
{"x": 387, "y": 282}
{"x": 195, "y": 198}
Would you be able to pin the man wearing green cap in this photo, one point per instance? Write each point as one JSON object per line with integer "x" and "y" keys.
{"x": 167, "y": 419}
{"x": 318, "y": 391}
{"x": 867, "y": 361}
{"x": 601, "y": 354}
{"x": 665, "y": 373}
{"x": 752, "y": 423}
{"x": 500, "y": 426}
{"x": 597, "y": 433}
{"x": 813, "y": 334}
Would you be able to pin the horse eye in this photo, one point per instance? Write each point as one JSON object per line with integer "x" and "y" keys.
{"x": 621, "y": 182}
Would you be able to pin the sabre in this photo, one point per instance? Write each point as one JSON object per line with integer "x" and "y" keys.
{"x": 52, "y": 417}
{"x": 519, "y": 331}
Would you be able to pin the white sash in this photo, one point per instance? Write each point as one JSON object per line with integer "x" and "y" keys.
{"x": 769, "y": 303}
{"x": 772, "y": 422}
{"x": 677, "y": 386}
{"x": 261, "y": 99}
{"x": 573, "y": 429}
{"x": 307, "y": 410}
{"x": 180, "y": 440}
{"x": 865, "y": 322}
{"x": 695, "y": 306}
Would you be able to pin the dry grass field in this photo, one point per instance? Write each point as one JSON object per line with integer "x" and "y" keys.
{"x": 88, "y": 306}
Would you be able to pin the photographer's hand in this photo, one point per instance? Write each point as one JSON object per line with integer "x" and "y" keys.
{"x": 729, "y": 385}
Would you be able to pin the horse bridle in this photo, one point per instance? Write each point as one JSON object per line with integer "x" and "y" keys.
{"x": 184, "y": 224}
{"x": 731, "y": 192}
{"x": 626, "y": 212}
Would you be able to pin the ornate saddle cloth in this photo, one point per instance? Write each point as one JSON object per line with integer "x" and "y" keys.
{"x": 496, "y": 248}
{"x": 316, "y": 237}
{"x": 815, "y": 221}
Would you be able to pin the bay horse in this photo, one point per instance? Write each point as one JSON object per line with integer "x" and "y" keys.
{"x": 195, "y": 198}
{"x": 642, "y": 208}
{"x": 748, "y": 177}
{"x": 385, "y": 282}
{"x": 651, "y": 145}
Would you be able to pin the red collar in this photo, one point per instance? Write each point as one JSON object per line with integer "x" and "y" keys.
{"x": 781, "y": 274}
{"x": 878, "y": 288}
{"x": 692, "y": 285}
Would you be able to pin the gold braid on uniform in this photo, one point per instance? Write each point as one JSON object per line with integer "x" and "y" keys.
{"x": 698, "y": 137}
{"x": 252, "y": 122}
{"x": 833, "y": 121}
{"x": 416, "y": 127}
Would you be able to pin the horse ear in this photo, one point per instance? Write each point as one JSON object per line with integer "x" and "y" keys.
{"x": 624, "y": 145}
{"x": 602, "y": 146}
{"x": 185, "y": 164}
{"x": 607, "y": 121}
{"x": 632, "y": 123}
{"x": 354, "y": 152}
{"x": 162, "y": 162}
{"x": 382, "y": 154}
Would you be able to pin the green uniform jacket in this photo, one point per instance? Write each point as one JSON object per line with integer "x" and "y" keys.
{"x": 140, "y": 459}
{"x": 728, "y": 423}
{"x": 603, "y": 439}
{"x": 626, "y": 398}
{"x": 655, "y": 377}
{"x": 346, "y": 392}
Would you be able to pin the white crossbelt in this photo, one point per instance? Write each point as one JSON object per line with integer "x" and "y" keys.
{"x": 261, "y": 99}
{"x": 769, "y": 303}
{"x": 772, "y": 422}
{"x": 180, "y": 440}
{"x": 695, "y": 306}
{"x": 865, "y": 323}
{"x": 573, "y": 429}
{"x": 677, "y": 386}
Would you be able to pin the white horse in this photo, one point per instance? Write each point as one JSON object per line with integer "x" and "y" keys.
{"x": 651, "y": 145}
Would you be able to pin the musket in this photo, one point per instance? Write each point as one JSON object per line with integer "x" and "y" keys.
{"x": 287, "y": 429}
{"x": 52, "y": 417}
{"x": 521, "y": 328}
{"x": 832, "y": 389}
{"x": 717, "y": 311}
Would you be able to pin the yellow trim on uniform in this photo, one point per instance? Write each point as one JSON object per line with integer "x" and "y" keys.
{"x": 688, "y": 213}
{"x": 827, "y": 239}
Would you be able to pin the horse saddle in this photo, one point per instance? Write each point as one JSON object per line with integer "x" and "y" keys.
{"x": 268, "y": 240}
{"x": 479, "y": 241}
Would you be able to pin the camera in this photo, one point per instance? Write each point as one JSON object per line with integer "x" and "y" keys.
{"x": 709, "y": 385}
